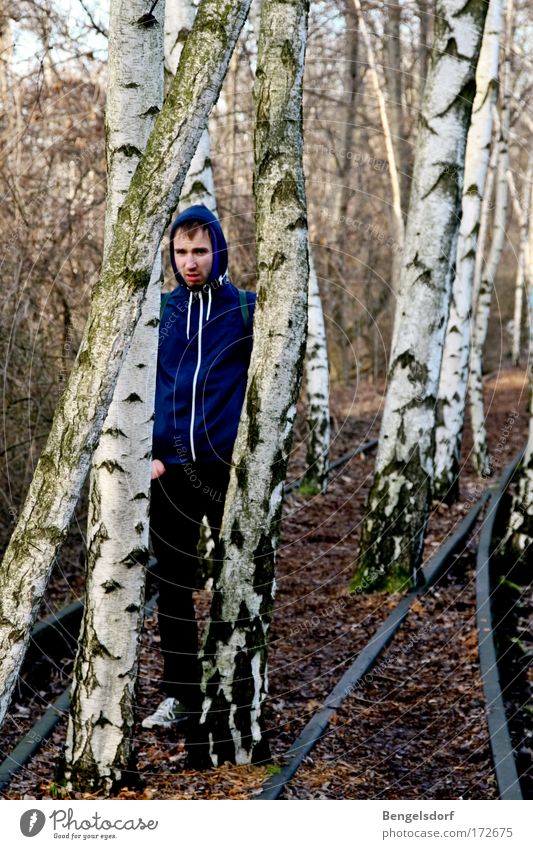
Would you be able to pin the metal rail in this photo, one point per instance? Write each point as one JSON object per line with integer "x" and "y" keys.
{"x": 363, "y": 663}
{"x": 500, "y": 739}
{"x": 341, "y": 461}
{"x": 31, "y": 742}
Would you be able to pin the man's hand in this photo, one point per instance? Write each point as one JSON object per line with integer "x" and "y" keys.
{"x": 158, "y": 469}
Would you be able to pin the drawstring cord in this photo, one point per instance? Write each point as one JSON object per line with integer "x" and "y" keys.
{"x": 195, "y": 378}
{"x": 192, "y": 295}
{"x": 189, "y": 314}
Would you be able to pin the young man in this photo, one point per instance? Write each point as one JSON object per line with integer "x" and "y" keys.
{"x": 205, "y": 342}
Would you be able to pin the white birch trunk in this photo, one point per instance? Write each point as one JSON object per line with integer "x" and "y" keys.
{"x": 391, "y": 157}
{"x": 117, "y": 301}
{"x": 317, "y": 390}
{"x": 519, "y": 534}
{"x": 397, "y": 508}
{"x": 199, "y": 185}
{"x": 392, "y": 29}
{"x": 99, "y": 745}
{"x": 235, "y": 649}
{"x": 487, "y": 206}
{"x": 523, "y": 258}
{"x": 454, "y": 372}
{"x": 480, "y": 450}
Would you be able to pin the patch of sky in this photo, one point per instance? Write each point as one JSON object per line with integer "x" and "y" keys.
{"x": 71, "y": 30}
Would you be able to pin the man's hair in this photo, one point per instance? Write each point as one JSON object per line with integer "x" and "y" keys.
{"x": 188, "y": 228}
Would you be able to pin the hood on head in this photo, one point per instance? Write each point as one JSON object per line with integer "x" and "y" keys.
{"x": 220, "y": 247}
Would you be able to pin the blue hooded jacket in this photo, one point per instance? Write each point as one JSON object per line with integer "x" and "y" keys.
{"x": 204, "y": 353}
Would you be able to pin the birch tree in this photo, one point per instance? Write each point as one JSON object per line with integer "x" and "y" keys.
{"x": 199, "y": 186}
{"x": 397, "y": 508}
{"x": 100, "y": 731}
{"x": 116, "y": 304}
{"x": 234, "y": 655}
{"x": 487, "y": 206}
{"x": 522, "y": 215}
{"x": 480, "y": 450}
{"x": 518, "y": 540}
{"x": 317, "y": 390}
{"x": 454, "y": 373}
{"x": 385, "y": 124}
{"x": 394, "y": 79}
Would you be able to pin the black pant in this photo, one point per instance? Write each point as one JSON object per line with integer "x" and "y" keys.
{"x": 180, "y": 499}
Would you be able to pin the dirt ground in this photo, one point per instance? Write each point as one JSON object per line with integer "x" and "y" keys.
{"x": 415, "y": 728}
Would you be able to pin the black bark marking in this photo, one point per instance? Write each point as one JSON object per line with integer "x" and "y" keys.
{"x": 111, "y": 466}
{"x": 111, "y": 585}
{"x": 236, "y": 536}
{"x": 137, "y": 557}
{"x": 130, "y": 150}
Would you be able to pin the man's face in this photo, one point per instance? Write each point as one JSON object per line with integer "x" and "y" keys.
{"x": 194, "y": 256}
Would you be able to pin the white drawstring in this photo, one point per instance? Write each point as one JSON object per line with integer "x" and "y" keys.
{"x": 209, "y": 304}
{"x": 195, "y": 378}
{"x": 189, "y": 314}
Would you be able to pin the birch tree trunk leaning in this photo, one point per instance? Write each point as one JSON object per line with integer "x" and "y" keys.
{"x": 99, "y": 745}
{"x": 454, "y": 373}
{"x": 199, "y": 185}
{"x": 397, "y": 507}
{"x": 480, "y": 450}
{"x": 395, "y": 90}
{"x": 235, "y": 649}
{"x": 518, "y": 539}
{"x": 317, "y": 391}
{"x": 391, "y": 156}
{"x": 116, "y": 304}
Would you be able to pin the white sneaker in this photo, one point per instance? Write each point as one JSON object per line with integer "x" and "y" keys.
{"x": 169, "y": 712}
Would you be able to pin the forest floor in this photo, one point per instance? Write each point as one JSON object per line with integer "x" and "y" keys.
{"x": 416, "y": 726}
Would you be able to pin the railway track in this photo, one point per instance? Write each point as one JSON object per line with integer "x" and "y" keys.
{"x": 500, "y": 741}
{"x": 56, "y": 636}
{"x": 57, "y": 633}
